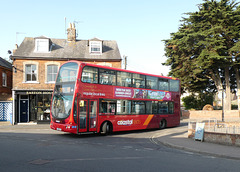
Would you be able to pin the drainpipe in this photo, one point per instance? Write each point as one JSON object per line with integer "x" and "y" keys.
{"x": 13, "y": 108}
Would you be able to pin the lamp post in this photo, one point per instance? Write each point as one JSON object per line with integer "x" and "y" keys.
{"x": 222, "y": 105}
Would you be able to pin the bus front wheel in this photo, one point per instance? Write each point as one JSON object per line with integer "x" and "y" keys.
{"x": 163, "y": 124}
{"x": 106, "y": 128}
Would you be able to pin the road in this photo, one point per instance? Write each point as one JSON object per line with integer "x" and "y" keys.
{"x": 42, "y": 149}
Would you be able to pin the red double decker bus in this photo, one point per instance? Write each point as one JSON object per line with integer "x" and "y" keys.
{"x": 100, "y": 99}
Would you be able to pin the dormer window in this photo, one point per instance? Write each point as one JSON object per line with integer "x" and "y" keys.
{"x": 95, "y": 47}
{"x": 42, "y": 45}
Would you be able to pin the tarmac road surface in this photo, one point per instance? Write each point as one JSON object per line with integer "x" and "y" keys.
{"x": 38, "y": 148}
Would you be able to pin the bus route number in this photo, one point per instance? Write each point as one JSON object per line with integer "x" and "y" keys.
{"x": 81, "y": 103}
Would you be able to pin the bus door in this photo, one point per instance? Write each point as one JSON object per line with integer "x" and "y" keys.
{"x": 87, "y": 115}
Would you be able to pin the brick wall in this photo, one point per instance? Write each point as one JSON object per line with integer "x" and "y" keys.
{"x": 214, "y": 137}
{"x": 19, "y": 80}
{"x": 6, "y": 92}
{"x": 185, "y": 114}
{"x": 112, "y": 64}
{"x": 217, "y": 114}
{"x": 220, "y": 138}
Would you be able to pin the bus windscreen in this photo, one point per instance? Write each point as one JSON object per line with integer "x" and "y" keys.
{"x": 64, "y": 90}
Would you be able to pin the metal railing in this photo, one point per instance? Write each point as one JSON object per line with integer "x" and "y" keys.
{"x": 212, "y": 125}
{"x": 223, "y": 128}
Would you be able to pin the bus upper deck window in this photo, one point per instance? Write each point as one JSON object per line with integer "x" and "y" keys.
{"x": 163, "y": 84}
{"x": 107, "y": 77}
{"x": 90, "y": 75}
{"x": 138, "y": 80}
{"x": 152, "y": 82}
{"x": 124, "y": 79}
{"x": 174, "y": 85}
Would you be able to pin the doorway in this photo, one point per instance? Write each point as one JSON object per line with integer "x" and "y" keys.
{"x": 23, "y": 108}
{"x": 87, "y": 115}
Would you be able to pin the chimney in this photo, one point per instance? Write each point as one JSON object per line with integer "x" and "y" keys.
{"x": 71, "y": 32}
{"x": 16, "y": 47}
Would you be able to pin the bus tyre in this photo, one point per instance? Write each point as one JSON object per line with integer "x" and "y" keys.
{"x": 162, "y": 124}
{"x": 106, "y": 129}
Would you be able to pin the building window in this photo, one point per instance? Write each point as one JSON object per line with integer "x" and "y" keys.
{"x": 51, "y": 73}
{"x": 31, "y": 72}
{"x": 42, "y": 45}
{"x": 4, "y": 79}
{"x": 40, "y": 107}
{"x": 95, "y": 47}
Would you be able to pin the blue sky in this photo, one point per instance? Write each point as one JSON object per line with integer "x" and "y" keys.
{"x": 138, "y": 26}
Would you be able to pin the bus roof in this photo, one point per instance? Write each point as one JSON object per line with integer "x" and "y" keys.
{"x": 118, "y": 69}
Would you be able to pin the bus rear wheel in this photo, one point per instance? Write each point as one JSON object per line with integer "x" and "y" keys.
{"x": 163, "y": 124}
{"x": 106, "y": 128}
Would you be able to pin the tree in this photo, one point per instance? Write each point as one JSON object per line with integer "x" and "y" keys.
{"x": 197, "y": 101}
{"x": 204, "y": 52}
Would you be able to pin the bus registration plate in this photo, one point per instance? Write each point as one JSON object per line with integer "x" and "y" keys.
{"x": 59, "y": 129}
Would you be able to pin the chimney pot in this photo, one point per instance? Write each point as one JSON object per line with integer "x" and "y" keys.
{"x": 71, "y": 32}
{"x": 16, "y": 47}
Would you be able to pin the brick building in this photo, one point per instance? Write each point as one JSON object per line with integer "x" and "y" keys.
{"x": 36, "y": 62}
{"x": 5, "y": 80}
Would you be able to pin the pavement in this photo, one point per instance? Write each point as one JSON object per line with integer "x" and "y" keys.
{"x": 176, "y": 137}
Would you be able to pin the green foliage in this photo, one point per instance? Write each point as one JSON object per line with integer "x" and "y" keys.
{"x": 190, "y": 102}
{"x": 197, "y": 102}
{"x": 206, "y": 43}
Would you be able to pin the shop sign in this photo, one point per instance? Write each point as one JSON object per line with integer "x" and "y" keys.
{"x": 38, "y": 92}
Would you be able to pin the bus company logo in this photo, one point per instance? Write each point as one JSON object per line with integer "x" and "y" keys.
{"x": 127, "y": 122}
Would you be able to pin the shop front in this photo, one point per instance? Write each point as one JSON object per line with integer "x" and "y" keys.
{"x": 32, "y": 106}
